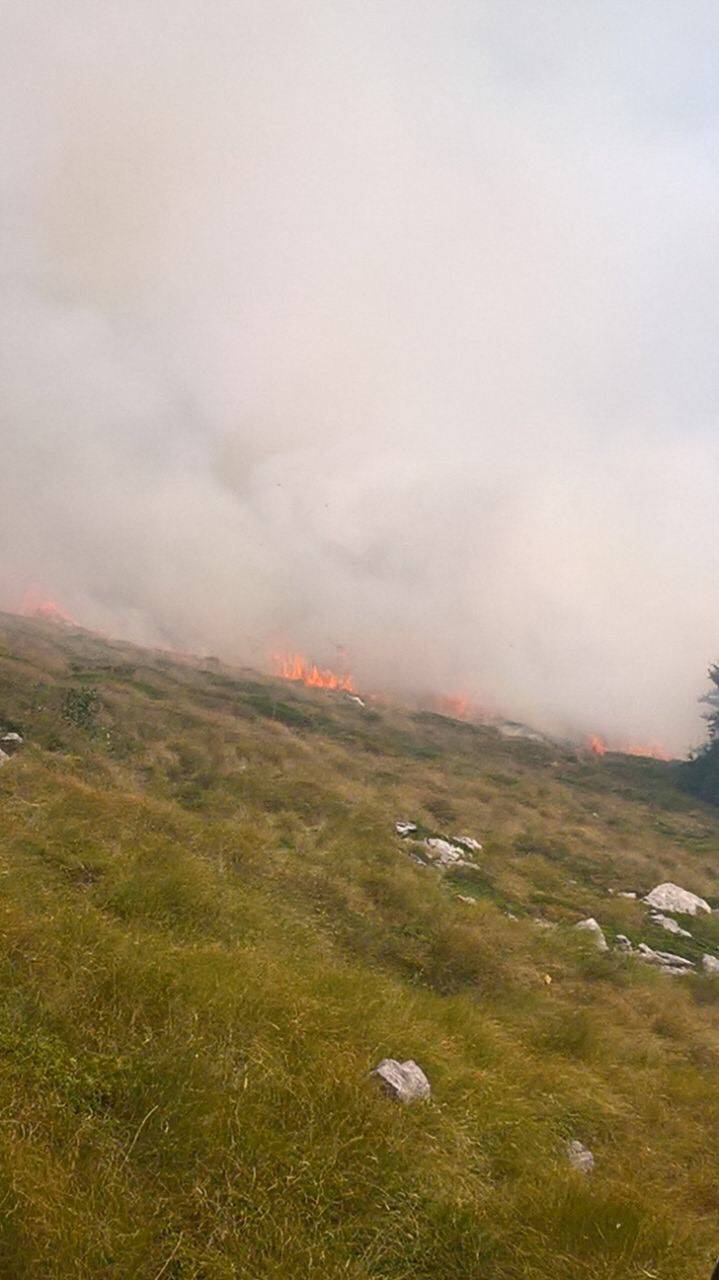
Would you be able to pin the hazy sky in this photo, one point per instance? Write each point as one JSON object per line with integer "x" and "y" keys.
{"x": 375, "y": 322}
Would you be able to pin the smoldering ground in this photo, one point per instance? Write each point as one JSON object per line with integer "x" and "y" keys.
{"x": 376, "y": 324}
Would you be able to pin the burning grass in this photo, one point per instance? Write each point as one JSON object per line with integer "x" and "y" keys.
{"x": 211, "y": 933}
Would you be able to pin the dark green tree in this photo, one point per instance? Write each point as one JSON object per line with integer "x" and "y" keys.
{"x": 701, "y": 773}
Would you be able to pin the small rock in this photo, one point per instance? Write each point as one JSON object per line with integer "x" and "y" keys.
{"x": 623, "y": 943}
{"x": 670, "y": 925}
{"x": 510, "y": 915}
{"x": 665, "y": 959}
{"x": 710, "y": 964}
{"x": 354, "y": 698}
{"x": 405, "y": 828}
{"x": 403, "y": 1081}
{"x": 472, "y": 902}
{"x": 11, "y": 737}
{"x": 444, "y": 853}
{"x": 627, "y": 894}
{"x": 544, "y": 924}
{"x": 670, "y": 897}
{"x": 4, "y": 757}
{"x": 579, "y": 1156}
{"x": 469, "y": 843}
{"x": 591, "y": 926}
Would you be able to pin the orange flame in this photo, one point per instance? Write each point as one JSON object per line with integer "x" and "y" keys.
{"x": 295, "y": 667}
{"x": 35, "y": 605}
{"x": 456, "y": 706}
{"x": 650, "y": 751}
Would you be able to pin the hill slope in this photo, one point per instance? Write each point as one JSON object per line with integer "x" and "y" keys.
{"x": 210, "y": 933}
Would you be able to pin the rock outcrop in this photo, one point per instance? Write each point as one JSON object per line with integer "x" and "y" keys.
{"x": 671, "y": 897}
{"x": 446, "y": 853}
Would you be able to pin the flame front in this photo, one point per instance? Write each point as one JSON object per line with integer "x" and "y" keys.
{"x": 35, "y": 605}
{"x": 650, "y": 750}
{"x": 295, "y": 667}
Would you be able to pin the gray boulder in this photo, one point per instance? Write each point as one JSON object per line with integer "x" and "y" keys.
{"x": 710, "y": 964}
{"x": 468, "y": 842}
{"x": 403, "y": 1081}
{"x": 671, "y": 897}
{"x": 405, "y": 828}
{"x": 579, "y": 1156}
{"x": 670, "y": 925}
{"x": 591, "y": 926}
{"x": 446, "y": 854}
{"x": 665, "y": 960}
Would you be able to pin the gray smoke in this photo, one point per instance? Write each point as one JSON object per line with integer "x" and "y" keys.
{"x": 373, "y": 323}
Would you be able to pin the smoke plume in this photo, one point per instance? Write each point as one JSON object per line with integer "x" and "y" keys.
{"x": 372, "y": 323}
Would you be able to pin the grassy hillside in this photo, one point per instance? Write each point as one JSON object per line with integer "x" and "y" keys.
{"x": 210, "y": 933}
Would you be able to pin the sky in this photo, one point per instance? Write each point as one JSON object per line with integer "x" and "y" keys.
{"x": 372, "y": 323}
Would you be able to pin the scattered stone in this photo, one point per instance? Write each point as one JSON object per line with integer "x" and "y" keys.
{"x": 405, "y": 828}
{"x": 403, "y": 1081}
{"x": 463, "y": 897}
{"x": 468, "y": 843}
{"x": 354, "y": 698}
{"x": 591, "y": 926}
{"x": 9, "y": 744}
{"x": 670, "y": 897}
{"x": 579, "y": 1156}
{"x": 446, "y": 854}
{"x": 670, "y": 925}
{"x": 544, "y": 924}
{"x": 510, "y": 915}
{"x": 710, "y": 964}
{"x": 623, "y": 943}
{"x": 666, "y": 960}
{"x": 627, "y": 894}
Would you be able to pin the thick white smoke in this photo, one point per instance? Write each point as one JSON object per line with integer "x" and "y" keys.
{"x": 377, "y": 323}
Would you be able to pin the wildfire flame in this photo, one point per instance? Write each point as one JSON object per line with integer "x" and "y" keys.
{"x": 650, "y": 751}
{"x": 456, "y": 706}
{"x": 35, "y": 605}
{"x": 295, "y": 667}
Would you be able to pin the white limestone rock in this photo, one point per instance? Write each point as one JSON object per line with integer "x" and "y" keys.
{"x": 468, "y": 842}
{"x": 710, "y": 964}
{"x": 445, "y": 853}
{"x": 670, "y": 925}
{"x": 579, "y": 1156}
{"x": 671, "y": 897}
{"x": 666, "y": 960}
{"x": 623, "y": 943}
{"x": 403, "y": 1081}
{"x": 591, "y": 926}
{"x": 405, "y": 828}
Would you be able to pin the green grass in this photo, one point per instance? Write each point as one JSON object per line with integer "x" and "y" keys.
{"x": 209, "y": 935}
